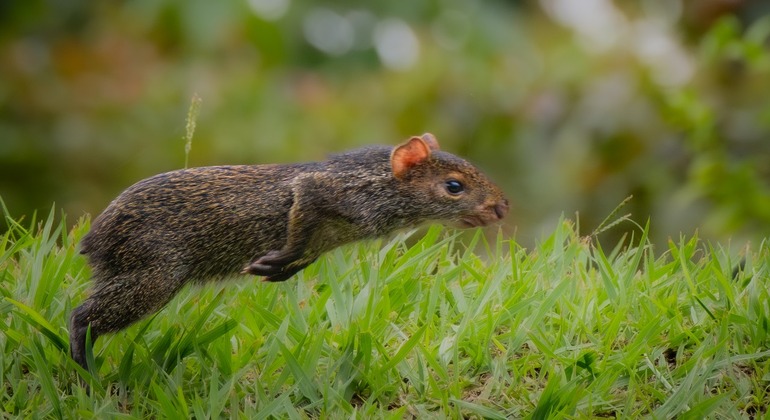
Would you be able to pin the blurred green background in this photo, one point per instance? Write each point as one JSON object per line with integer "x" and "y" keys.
{"x": 571, "y": 105}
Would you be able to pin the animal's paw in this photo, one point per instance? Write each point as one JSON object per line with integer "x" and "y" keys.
{"x": 274, "y": 265}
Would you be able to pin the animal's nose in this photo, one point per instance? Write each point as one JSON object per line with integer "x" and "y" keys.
{"x": 501, "y": 209}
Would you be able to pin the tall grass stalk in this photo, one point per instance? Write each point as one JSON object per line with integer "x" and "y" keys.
{"x": 192, "y": 118}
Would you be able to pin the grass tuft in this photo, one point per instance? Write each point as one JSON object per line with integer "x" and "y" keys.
{"x": 437, "y": 328}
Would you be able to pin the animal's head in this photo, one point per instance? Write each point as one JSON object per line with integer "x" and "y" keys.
{"x": 449, "y": 188}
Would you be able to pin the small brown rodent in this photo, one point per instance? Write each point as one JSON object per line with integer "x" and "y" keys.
{"x": 201, "y": 224}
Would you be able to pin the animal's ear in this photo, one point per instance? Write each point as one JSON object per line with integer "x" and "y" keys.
{"x": 431, "y": 141}
{"x": 407, "y": 155}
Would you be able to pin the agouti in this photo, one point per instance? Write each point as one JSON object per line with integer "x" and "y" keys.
{"x": 209, "y": 223}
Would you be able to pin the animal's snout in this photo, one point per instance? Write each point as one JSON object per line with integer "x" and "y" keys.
{"x": 501, "y": 209}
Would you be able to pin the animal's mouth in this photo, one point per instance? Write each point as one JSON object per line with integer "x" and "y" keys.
{"x": 472, "y": 222}
{"x": 487, "y": 216}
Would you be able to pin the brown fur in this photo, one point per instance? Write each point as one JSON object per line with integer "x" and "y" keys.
{"x": 201, "y": 224}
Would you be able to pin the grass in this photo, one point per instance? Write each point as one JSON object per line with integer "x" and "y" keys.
{"x": 386, "y": 330}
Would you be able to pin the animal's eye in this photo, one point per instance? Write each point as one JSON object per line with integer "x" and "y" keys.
{"x": 454, "y": 187}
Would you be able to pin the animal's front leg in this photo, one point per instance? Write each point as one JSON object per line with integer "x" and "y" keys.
{"x": 302, "y": 227}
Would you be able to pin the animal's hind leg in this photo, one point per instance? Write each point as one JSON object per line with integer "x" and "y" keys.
{"x": 78, "y": 330}
{"x": 115, "y": 304}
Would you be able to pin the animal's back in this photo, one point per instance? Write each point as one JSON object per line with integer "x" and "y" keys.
{"x": 198, "y": 223}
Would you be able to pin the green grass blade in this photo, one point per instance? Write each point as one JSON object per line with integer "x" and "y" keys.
{"x": 706, "y": 408}
{"x": 41, "y": 324}
{"x": 303, "y": 381}
{"x": 478, "y": 409}
{"x": 45, "y": 377}
{"x": 404, "y": 350}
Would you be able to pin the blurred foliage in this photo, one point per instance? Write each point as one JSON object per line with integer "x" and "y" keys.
{"x": 570, "y": 106}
